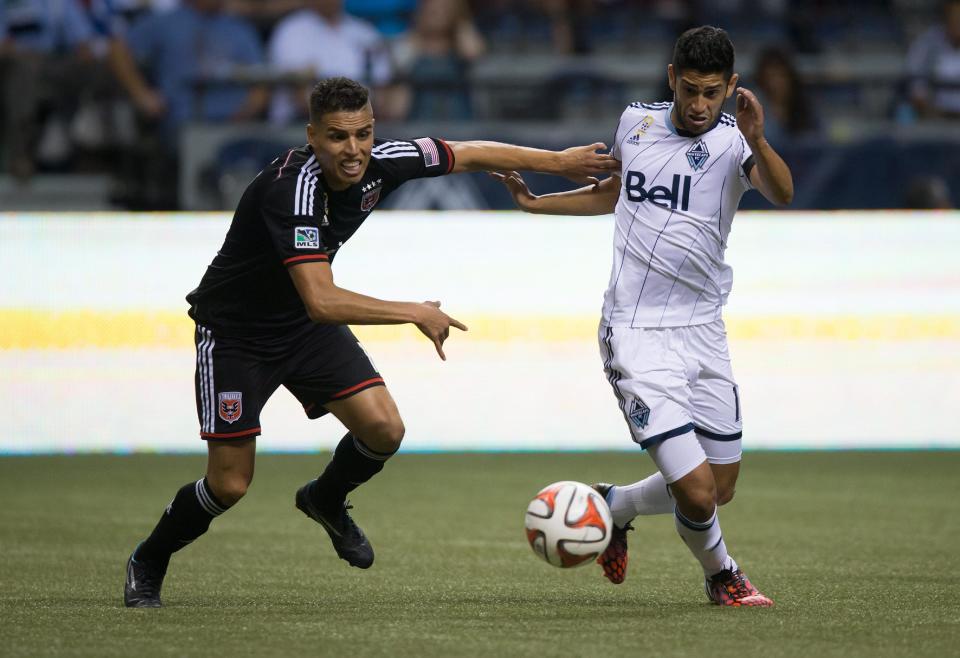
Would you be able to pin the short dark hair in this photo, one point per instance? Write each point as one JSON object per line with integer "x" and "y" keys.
{"x": 705, "y": 49}
{"x": 337, "y": 95}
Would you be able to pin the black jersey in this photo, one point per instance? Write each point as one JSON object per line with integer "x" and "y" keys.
{"x": 288, "y": 216}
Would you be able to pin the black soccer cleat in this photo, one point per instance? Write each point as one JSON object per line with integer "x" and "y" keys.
{"x": 142, "y": 586}
{"x": 348, "y": 539}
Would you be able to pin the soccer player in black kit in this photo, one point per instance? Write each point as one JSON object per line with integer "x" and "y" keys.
{"x": 268, "y": 314}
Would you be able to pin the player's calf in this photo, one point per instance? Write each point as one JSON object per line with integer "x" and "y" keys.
{"x": 353, "y": 463}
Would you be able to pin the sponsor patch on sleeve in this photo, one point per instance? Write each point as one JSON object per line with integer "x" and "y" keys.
{"x": 306, "y": 237}
{"x": 431, "y": 157}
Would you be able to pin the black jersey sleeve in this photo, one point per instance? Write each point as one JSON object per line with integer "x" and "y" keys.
{"x": 293, "y": 208}
{"x": 405, "y": 160}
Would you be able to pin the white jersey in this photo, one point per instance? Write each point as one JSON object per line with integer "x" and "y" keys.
{"x": 677, "y": 200}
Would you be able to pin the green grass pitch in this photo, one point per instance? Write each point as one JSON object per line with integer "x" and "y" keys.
{"x": 859, "y": 550}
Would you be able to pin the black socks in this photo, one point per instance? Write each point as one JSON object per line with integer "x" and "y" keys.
{"x": 353, "y": 464}
{"x": 185, "y": 519}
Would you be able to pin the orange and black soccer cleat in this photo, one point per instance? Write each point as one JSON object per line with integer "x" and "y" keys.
{"x": 614, "y": 559}
{"x": 732, "y": 587}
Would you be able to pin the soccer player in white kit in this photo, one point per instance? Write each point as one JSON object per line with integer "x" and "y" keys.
{"x": 685, "y": 165}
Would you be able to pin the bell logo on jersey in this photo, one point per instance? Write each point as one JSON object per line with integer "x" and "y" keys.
{"x": 231, "y": 405}
{"x": 665, "y": 197}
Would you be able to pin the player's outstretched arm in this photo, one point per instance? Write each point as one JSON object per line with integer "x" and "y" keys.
{"x": 770, "y": 174}
{"x": 598, "y": 199}
{"x": 578, "y": 163}
{"x": 328, "y": 304}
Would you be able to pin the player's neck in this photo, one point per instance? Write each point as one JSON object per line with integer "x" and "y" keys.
{"x": 335, "y": 185}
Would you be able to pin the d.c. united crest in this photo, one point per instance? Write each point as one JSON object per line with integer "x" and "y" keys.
{"x": 371, "y": 194}
{"x": 231, "y": 405}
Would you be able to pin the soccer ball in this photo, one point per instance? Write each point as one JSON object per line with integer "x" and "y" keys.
{"x": 568, "y": 524}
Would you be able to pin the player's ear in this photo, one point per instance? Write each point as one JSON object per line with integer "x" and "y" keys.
{"x": 671, "y": 77}
{"x": 732, "y": 84}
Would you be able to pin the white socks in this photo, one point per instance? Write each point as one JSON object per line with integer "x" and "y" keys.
{"x": 705, "y": 541}
{"x": 648, "y": 496}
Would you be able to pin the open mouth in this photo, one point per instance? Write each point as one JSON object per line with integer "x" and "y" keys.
{"x": 351, "y": 168}
{"x": 697, "y": 120}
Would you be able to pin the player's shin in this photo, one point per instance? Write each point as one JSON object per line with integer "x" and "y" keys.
{"x": 644, "y": 498}
{"x": 705, "y": 541}
{"x": 353, "y": 464}
{"x": 187, "y": 517}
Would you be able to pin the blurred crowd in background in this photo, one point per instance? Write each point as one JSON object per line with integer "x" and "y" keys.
{"x": 112, "y": 86}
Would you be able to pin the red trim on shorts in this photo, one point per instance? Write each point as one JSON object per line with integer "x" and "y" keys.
{"x": 357, "y": 387}
{"x": 450, "y": 157}
{"x": 230, "y": 435}
{"x": 299, "y": 259}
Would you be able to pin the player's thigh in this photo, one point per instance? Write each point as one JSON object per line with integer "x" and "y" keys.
{"x": 650, "y": 380}
{"x": 332, "y": 367}
{"x": 714, "y": 394}
{"x": 233, "y": 380}
{"x": 677, "y": 456}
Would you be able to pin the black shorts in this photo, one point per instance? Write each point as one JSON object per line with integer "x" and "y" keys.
{"x": 237, "y": 375}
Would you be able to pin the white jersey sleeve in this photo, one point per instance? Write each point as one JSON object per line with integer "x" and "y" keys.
{"x": 678, "y": 196}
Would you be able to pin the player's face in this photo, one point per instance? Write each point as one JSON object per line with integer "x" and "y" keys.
{"x": 342, "y": 142}
{"x": 698, "y": 97}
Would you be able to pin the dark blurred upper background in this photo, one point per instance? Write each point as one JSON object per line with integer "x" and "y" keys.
{"x": 176, "y": 104}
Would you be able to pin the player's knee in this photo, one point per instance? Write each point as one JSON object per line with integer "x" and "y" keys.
{"x": 725, "y": 494}
{"x": 698, "y": 502}
{"x": 384, "y": 434}
{"x": 229, "y": 490}
{"x": 703, "y": 502}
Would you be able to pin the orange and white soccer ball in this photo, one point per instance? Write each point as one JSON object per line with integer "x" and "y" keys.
{"x": 568, "y": 524}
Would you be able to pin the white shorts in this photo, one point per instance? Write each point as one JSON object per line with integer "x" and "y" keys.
{"x": 673, "y": 381}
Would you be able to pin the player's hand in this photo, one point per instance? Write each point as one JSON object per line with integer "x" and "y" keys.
{"x": 582, "y": 164}
{"x": 435, "y": 325}
{"x": 749, "y": 115}
{"x": 518, "y": 189}
{"x": 150, "y": 103}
